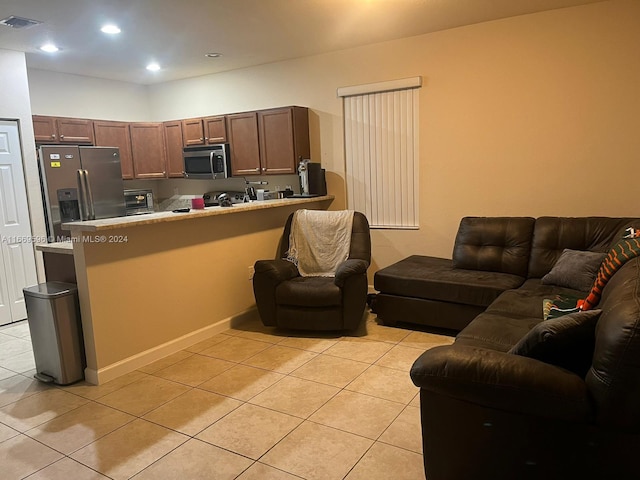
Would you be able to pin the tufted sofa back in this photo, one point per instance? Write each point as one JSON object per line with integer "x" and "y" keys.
{"x": 551, "y": 235}
{"x": 494, "y": 244}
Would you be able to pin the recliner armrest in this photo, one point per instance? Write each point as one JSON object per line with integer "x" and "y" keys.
{"x": 503, "y": 381}
{"x": 278, "y": 270}
{"x": 351, "y": 266}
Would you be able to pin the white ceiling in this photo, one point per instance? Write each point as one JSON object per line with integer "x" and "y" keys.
{"x": 177, "y": 33}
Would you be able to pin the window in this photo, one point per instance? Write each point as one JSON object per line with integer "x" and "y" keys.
{"x": 381, "y": 150}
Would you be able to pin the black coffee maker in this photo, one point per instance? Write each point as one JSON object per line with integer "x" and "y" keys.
{"x": 312, "y": 179}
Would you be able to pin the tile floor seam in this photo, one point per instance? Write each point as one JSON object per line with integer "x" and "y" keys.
{"x": 46, "y": 446}
{"x": 26, "y": 434}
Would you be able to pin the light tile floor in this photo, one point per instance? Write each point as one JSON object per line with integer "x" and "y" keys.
{"x": 251, "y": 403}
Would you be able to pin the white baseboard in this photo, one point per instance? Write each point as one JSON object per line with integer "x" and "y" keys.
{"x": 122, "y": 367}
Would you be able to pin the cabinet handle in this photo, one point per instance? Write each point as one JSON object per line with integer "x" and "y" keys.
{"x": 61, "y": 137}
{"x": 53, "y": 135}
{"x": 206, "y": 138}
{"x": 258, "y": 169}
{"x": 201, "y": 139}
{"x": 264, "y": 169}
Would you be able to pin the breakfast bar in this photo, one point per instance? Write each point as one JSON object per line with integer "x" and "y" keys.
{"x": 151, "y": 285}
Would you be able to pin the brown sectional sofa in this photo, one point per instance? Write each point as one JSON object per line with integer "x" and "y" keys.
{"x": 488, "y": 413}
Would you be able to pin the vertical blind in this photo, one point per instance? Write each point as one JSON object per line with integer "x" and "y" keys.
{"x": 381, "y": 150}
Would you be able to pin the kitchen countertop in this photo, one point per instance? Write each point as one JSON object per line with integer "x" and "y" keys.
{"x": 65, "y": 248}
{"x": 161, "y": 217}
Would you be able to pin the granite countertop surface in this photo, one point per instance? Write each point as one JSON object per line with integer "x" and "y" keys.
{"x": 161, "y": 217}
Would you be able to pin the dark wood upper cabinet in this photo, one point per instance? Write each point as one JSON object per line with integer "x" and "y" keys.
{"x": 215, "y": 129}
{"x": 242, "y": 132}
{"x": 148, "y": 150}
{"x": 284, "y": 138}
{"x": 62, "y": 130}
{"x": 116, "y": 134}
{"x": 44, "y": 129}
{"x": 265, "y": 142}
{"x": 75, "y": 130}
{"x": 173, "y": 142}
{"x": 192, "y": 132}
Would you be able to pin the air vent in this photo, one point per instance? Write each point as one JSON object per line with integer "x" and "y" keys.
{"x": 19, "y": 22}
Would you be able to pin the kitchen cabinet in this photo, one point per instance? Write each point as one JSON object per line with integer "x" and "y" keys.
{"x": 148, "y": 150}
{"x": 215, "y": 129}
{"x": 204, "y": 131}
{"x": 62, "y": 130}
{"x": 242, "y": 131}
{"x": 268, "y": 142}
{"x": 173, "y": 136}
{"x": 192, "y": 132}
{"x": 44, "y": 129}
{"x": 116, "y": 134}
{"x": 284, "y": 138}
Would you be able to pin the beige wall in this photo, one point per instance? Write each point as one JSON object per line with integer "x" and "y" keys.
{"x": 15, "y": 105}
{"x": 533, "y": 115}
{"x": 79, "y": 96}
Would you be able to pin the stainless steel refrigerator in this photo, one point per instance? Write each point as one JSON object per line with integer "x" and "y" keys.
{"x": 80, "y": 183}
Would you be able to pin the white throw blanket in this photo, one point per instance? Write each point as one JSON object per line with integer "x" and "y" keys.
{"x": 320, "y": 241}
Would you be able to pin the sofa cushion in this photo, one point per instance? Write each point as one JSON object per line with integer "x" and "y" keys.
{"x": 436, "y": 279}
{"x": 566, "y": 341}
{"x": 494, "y": 244}
{"x": 575, "y": 269}
{"x": 309, "y": 292}
{"x": 510, "y": 316}
{"x": 551, "y": 235}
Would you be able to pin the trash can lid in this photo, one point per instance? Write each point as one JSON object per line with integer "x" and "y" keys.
{"x": 51, "y": 289}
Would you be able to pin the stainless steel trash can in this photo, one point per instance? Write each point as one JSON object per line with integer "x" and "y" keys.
{"x": 53, "y": 314}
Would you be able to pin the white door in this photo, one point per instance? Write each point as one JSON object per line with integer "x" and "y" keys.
{"x": 17, "y": 258}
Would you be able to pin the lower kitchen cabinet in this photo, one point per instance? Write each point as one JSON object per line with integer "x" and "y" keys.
{"x": 148, "y": 150}
{"x": 173, "y": 144}
{"x": 116, "y": 134}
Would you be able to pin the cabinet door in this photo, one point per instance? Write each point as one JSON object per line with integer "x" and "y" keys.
{"x": 75, "y": 130}
{"x": 284, "y": 138}
{"x": 192, "y": 132}
{"x": 276, "y": 141}
{"x": 243, "y": 140}
{"x": 148, "y": 150}
{"x": 44, "y": 129}
{"x": 116, "y": 134}
{"x": 215, "y": 130}
{"x": 173, "y": 143}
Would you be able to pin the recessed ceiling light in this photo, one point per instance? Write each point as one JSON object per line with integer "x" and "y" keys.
{"x": 49, "y": 48}
{"x": 153, "y": 67}
{"x": 213, "y": 55}
{"x": 110, "y": 29}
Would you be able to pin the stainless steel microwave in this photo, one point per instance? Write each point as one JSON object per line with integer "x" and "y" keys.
{"x": 209, "y": 161}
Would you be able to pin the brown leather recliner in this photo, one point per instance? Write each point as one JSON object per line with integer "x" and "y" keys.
{"x": 287, "y": 299}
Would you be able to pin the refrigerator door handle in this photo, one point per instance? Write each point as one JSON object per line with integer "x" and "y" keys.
{"x": 87, "y": 211}
{"x": 92, "y": 211}
{"x": 82, "y": 196}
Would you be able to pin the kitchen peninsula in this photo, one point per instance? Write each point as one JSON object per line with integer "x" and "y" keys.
{"x": 151, "y": 285}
